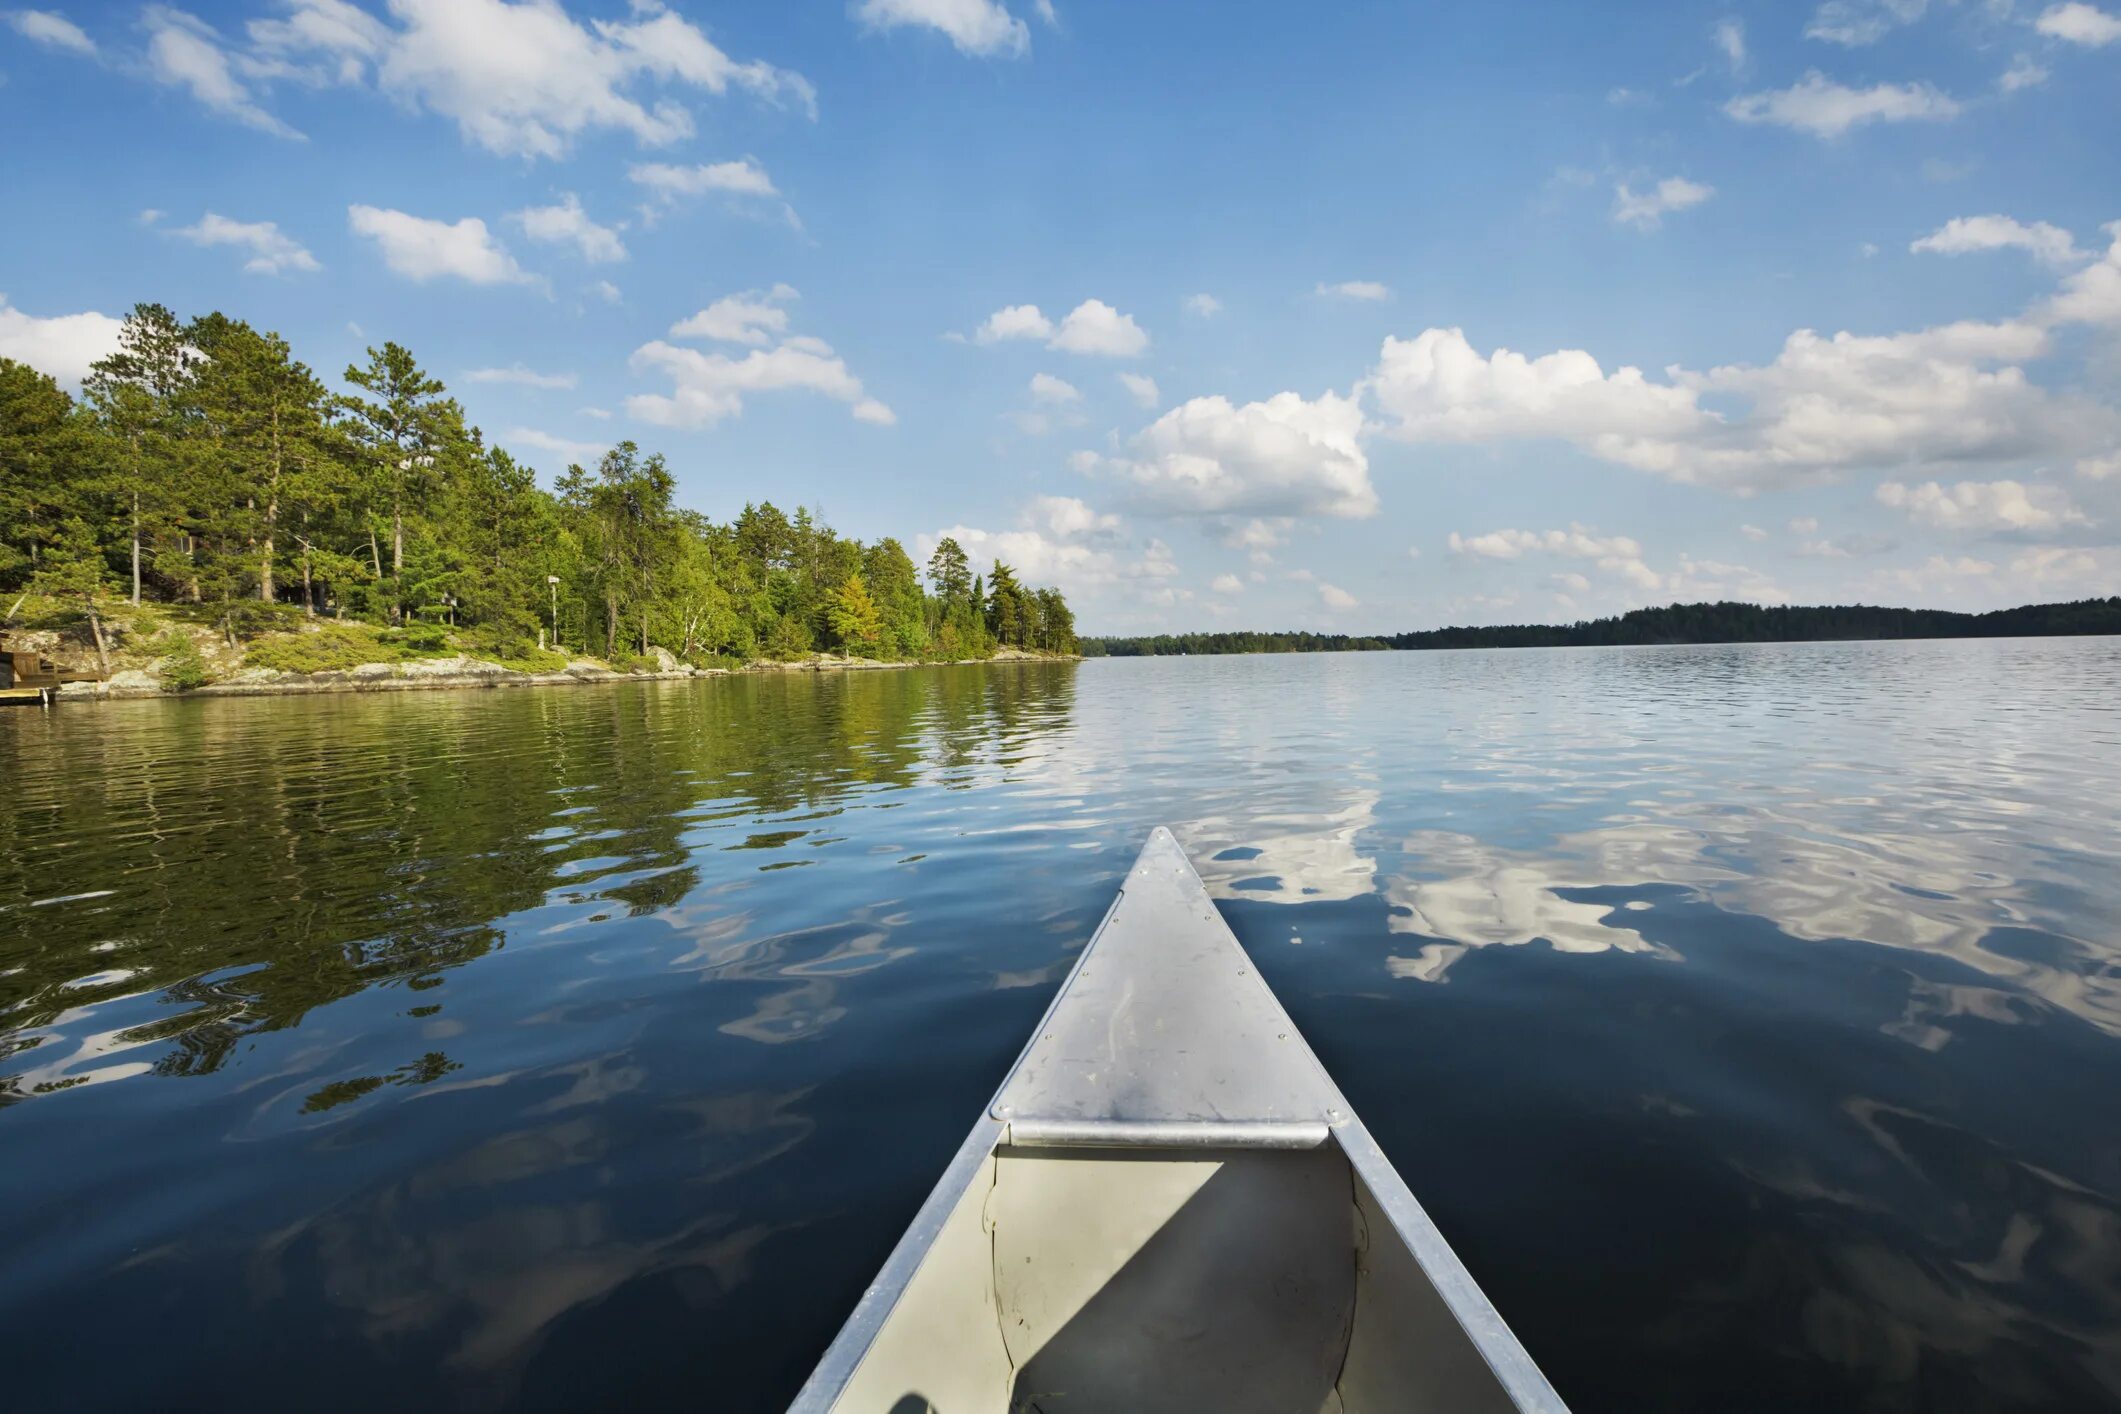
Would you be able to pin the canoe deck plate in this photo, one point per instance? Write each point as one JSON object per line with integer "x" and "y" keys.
{"x": 1165, "y": 1034}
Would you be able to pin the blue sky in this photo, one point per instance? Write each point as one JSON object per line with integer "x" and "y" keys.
{"x": 1227, "y": 314}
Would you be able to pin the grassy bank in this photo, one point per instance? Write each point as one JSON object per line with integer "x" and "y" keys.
{"x": 158, "y": 650}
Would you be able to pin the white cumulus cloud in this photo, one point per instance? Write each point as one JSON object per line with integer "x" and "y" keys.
{"x": 185, "y": 52}
{"x": 566, "y": 223}
{"x": 270, "y": 251}
{"x": 1094, "y": 327}
{"x": 2051, "y": 245}
{"x": 1617, "y": 555}
{"x": 1825, "y": 109}
{"x": 1437, "y": 388}
{"x": 1646, "y": 210}
{"x": 755, "y": 317}
{"x": 423, "y": 249}
{"x": 1859, "y": 22}
{"x": 1045, "y": 388}
{"x": 2023, "y": 73}
{"x": 1336, "y": 598}
{"x": 1068, "y": 518}
{"x": 2078, "y": 23}
{"x": 1365, "y": 290}
{"x": 1142, "y": 388}
{"x": 1985, "y": 506}
{"x": 520, "y": 79}
{"x": 974, "y": 26}
{"x": 1284, "y": 456}
{"x": 524, "y": 377}
{"x": 62, "y": 345}
{"x": 742, "y": 177}
{"x": 2092, "y": 295}
{"x": 1203, "y": 306}
{"x": 1729, "y": 36}
{"x": 1016, "y": 321}
{"x": 1824, "y": 407}
{"x": 48, "y": 27}
{"x": 708, "y": 388}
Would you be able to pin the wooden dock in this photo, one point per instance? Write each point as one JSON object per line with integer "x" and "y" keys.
{"x": 30, "y": 680}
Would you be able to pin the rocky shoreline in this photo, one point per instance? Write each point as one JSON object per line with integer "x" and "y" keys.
{"x": 433, "y": 674}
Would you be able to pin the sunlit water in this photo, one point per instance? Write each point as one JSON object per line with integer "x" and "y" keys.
{"x": 1748, "y": 1017}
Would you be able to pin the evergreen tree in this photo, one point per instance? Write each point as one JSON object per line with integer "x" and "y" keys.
{"x": 950, "y": 572}
{"x": 407, "y": 431}
{"x": 265, "y": 415}
{"x": 73, "y": 570}
{"x": 137, "y": 395}
{"x": 40, "y": 450}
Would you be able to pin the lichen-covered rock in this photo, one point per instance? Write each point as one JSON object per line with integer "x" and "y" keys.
{"x": 369, "y": 672}
{"x": 252, "y": 676}
{"x": 132, "y": 682}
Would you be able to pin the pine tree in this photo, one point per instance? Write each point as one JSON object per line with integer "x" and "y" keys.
{"x": 137, "y": 395}
{"x": 406, "y": 431}
{"x": 74, "y": 569}
{"x": 41, "y": 451}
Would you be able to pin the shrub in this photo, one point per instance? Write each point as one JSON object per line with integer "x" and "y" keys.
{"x": 532, "y": 660}
{"x": 334, "y": 648}
{"x": 418, "y": 640}
{"x": 181, "y": 665}
{"x": 510, "y": 645}
{"x": 252, "y": 618}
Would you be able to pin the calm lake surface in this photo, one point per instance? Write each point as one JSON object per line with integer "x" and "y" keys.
{"x": 1748, "y": 1017}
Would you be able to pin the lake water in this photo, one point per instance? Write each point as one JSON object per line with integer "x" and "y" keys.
{"x": 1748, "y": 1017}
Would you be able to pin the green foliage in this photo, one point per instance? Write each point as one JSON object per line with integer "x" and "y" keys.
{"x": 206, "y": 465}
{"x": 855, "y": 618}
{"x": 417, "y": 640}
{"x": 181, "y": 666}
{"x": 253, "y": 618}
{"x": 336, "y": 648}
{"x": 497, "y": 643}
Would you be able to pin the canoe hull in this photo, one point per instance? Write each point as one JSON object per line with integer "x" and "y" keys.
{"x": 1154, "y": 1215}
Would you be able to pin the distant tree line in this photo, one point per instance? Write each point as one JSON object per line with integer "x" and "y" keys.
{"x": 204, "y": 466}
{"x": 1169, "y": 645}
{"x": 1725, "y": 622}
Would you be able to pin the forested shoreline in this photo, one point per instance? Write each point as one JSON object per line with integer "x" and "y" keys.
{"x": 1726, "y": 622}
{"x": 207, "y": 479}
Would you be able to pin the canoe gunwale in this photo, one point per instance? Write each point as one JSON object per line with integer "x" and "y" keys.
{"x": 881, "y": 1296}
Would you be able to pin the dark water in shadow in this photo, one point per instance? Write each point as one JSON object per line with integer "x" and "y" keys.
{"x": 1749, "y": 1018}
